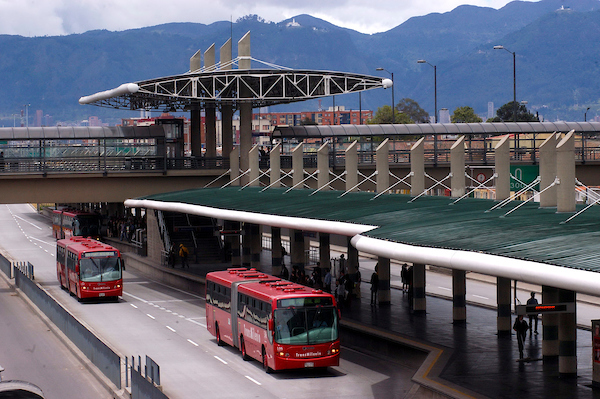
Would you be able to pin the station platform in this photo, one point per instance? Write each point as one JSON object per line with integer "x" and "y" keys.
{"x": 465, "y": 360}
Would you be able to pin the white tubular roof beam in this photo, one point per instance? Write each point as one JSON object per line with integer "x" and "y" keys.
{"x": 581, "y": 281}
{"x": 321, "y": 226}
{"x": 125, "y": 88}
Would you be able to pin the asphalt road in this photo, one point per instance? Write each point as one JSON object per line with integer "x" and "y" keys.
{"x": 168, "y": 325}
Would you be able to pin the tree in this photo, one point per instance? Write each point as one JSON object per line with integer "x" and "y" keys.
{"x": 505, "y": 113}
{"x": 413, "y": 110}
{"x": 383, "y": 115}
{"x": 464, "y": 115}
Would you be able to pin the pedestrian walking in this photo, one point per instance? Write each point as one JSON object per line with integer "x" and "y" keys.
{"x": 403, "y": 277}
{"x": 533, "y": 318}
{"x": 521, "y": 328}
{"x": 327, "y": 281}
{"x": 374, "y": 286}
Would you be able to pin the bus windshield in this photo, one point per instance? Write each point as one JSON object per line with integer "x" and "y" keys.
{"x": 100, "y": 269}
{"x": 306, "y": 325}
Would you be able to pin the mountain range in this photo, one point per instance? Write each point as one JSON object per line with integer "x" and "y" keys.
{"x": 555, "y": 45}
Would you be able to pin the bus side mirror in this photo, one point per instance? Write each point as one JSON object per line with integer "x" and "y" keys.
{"x": 271, "y": 325}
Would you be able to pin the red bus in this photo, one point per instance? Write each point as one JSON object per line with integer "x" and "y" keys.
{"x": 282, "y": 324}
{"x": 69, "y": 222}
{"x": 88, "y": 268}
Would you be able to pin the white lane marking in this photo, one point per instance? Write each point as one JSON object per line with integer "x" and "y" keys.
{"x": 221, "y": 360}
{"x": 192, "y": 342}
{"x": 150, "y": 316}
{"x": 444, "y": 288}
{"x": 27, "y": 221}
{"x": 479, "y": 296}
{"x": 171, "y": 328}
{"x": 133, "y": 305}
{"x": 135, "y": 297}
{"x": 195, "y": 322}
{"x": 253, "y": 380}
{"x": 42, "y": 241}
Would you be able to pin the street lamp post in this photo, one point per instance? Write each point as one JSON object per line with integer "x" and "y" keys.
{"x": 517, "y": 144}
{"x": 435, "y": 115}
{"x": 435, "y": 108}
{"x": 393, "y": 103}
{"x": 585, "y": 114}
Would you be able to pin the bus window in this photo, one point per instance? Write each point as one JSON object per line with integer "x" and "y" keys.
{"x": 100, "y": 269}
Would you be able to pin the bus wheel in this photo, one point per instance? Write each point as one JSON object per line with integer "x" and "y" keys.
{"x": 243, "y": 349}
{"x": 265, "y": 362}
{"x": 218, "y": 334}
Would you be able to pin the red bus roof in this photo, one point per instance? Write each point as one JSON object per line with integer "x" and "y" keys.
{"x": 74, "y": 212}
{"x": 263, "y": 285}
{"x": 82, "y": 244}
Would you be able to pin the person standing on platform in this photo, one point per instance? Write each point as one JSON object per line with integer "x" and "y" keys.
{"x": 183, "y": 254}
{"x": 533, "y": 317}
{"x": 342, "y": 265}
{"x": 374, "y": 286}
{"x": 521, "y": 328}
{"x": 403, "y": 277}
{"x": 327, "y": 281}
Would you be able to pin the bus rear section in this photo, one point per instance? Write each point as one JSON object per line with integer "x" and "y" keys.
{"x": 89, "y": 269}
{"x": 279, "y": 323}
{"x": 67, "y": 223}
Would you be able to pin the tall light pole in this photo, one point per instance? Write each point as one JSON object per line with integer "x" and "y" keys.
{"x": 585, "y": 114}
{"x": 393, "y": 103}
{"x": 435, "y": 114}
{"x": 514, "y": 80}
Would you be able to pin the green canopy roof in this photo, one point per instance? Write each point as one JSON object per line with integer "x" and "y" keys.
{"x": 529, "y": 233}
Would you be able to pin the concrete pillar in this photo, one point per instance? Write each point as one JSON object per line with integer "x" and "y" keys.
{"x": 196, "y": 131}
{"x": 297, "y": 249}
{"x": 226, "y": 109}
{"x": 565, "y": 171}
{"x": 234, "y": 165}
{"x": 550, "y": 322}
{"x": 245, "y": 138}
{"x": 548, "y": 171}
{"x": 459, "y": 296}
{"x": 298, "y": 165}
{"x": 210, "y": 111}
{"x": 324, "y": 251}
{"x": 245, "y": 107}
{"x": 210, "y": 122}
{"x": 276, "y": 253}
{"x": 246, "y": 245}
{"x": 253, "y": 164}
{"x": 352, "y": 262}
{"x": 417, "y": 168}
{"x": 236, "y": 253}
{"x": 567, "y": 338}
{"x": 244, "y": 52}
{"x": 503, "y": 320}
{"x": 418, "y": 286}
{"x": 384, "y": 294}
{"x": 195, "y": 113}
{"x": 255, "y": 245}
{"x": 502, "y": 169}
{"x": 154, "y": 240}
{"x": 383, "y": 166}
{"x": 457, "y": 168}
{"x": 323, "y": 165}
{"x": 351, "y": 159}
{"x": 231, "y": 240}
{"x": 275, "y": 160}
{"x": 196, "y": 61}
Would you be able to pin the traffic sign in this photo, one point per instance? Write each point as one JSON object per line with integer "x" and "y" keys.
{"x": 526, "y": 174}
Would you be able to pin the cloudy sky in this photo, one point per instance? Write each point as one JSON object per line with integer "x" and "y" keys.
{"x": 62, "y": 17}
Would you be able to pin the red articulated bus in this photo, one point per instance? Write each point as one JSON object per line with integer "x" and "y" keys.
{"x": 282, "y": 324}
{"x": 88, "y": 268}
{"x": 69, "y": 222}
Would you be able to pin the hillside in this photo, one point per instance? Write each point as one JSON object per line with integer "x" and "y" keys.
{"x": 556, "y": 54}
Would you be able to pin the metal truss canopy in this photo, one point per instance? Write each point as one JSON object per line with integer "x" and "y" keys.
{"x": 261, "y": 87}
